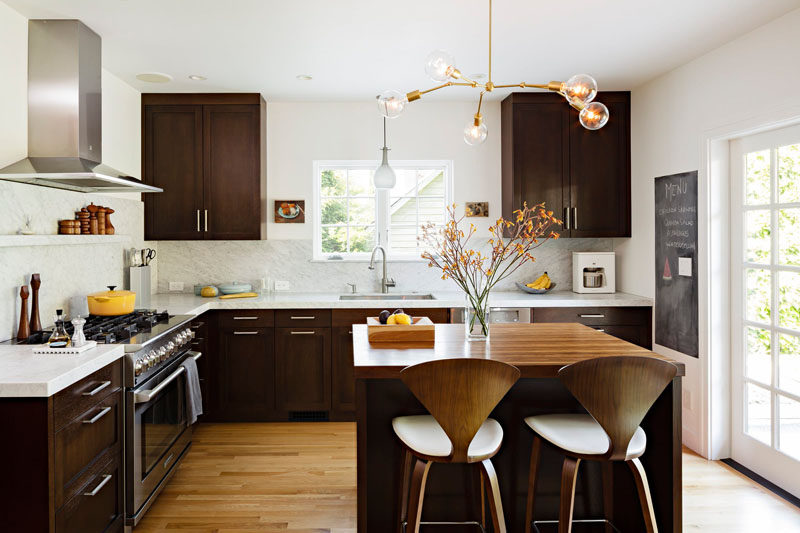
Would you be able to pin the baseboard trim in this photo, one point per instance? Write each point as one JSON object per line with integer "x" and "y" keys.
{"x": 767, "y": 484}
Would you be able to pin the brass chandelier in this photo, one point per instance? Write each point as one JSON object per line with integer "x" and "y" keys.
{"x": 579, "y": 91}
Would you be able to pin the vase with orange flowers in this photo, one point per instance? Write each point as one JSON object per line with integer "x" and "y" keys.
{"x": 476, "y": 272}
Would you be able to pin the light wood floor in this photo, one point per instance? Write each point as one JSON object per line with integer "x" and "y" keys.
{"x": 301, "y": 478}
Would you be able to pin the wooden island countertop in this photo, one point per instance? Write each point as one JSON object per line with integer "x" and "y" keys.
{"x": 538, "y": 350}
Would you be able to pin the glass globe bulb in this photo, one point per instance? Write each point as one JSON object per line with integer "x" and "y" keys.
{"x": 391, "y": 103}
{"x": 580, "y": 89}
{"x": 440, "y": 65}
{"x": 384, "y": 176}
{"x": 474, "y": 135}
{"x": 594, "y": 116}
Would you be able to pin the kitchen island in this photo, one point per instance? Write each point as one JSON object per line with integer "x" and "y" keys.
{"x": 452, "y": 493}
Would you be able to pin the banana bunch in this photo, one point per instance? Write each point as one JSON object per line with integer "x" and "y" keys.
{"x": 542, "y": 282}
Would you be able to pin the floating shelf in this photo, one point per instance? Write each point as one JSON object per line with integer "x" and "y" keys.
{"x": 60, "y": 240}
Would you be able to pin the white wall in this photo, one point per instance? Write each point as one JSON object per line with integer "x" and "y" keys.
{"x": 68, "y": 272}
{"x": 751, "y": 77}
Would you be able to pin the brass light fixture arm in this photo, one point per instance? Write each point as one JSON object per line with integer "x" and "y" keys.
{"x": 416, "y": 95}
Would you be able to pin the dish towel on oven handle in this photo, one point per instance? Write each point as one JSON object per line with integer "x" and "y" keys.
{"x": 194, "y": 398}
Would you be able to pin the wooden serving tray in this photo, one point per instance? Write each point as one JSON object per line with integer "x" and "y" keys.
{"x": 421, "y": 329}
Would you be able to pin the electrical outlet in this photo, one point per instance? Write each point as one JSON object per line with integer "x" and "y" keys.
{"x": 176, "y": 286}
{"x": 282, "y": 285}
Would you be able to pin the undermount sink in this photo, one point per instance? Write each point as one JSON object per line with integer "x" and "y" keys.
{"x": 387, "y": 296}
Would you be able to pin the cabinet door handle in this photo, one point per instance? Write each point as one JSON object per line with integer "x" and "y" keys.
{"x": 245, "y": 318}
{"x": 97, "y": 389}
{"x": 197, "y": 325}
{"x": 198, "y": 220}
{"x": 245, "y": 332}
{"x": 593, "y": 316}
{"x": 205, "y": 217}
{"x": 106, "y": 479}
{"x": 600, "y": 330}
{"x": 302, "y": 317}
{"x": 301, "y": 332}
{"x": 566, "y": 218}
{"x": 574, "y": 218}
{"x": 98, "y": 416}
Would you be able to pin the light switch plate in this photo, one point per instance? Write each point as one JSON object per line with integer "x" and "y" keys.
{"x": 176, "y": 286}
{"x": 282, "y": 285}
{"x": 685, "y": 266}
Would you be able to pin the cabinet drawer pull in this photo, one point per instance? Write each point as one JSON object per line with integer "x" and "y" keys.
{"x": 97, "y": 389}
{"x": 197, "y": 325}
{"x": 593, "y": 316}
{"x": 168, "y": 459}
{"x": 600, "y": 330}
{"x": 245, "y": 332}
{"x": 245, "y": 318}
{"x": 98, "y": 416}
{"x": 106, "y": 479}
{"x": 301, "y": 332}
{"x": 303, "y": 317}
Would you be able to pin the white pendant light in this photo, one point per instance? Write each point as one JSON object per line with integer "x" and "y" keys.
{"x": 384, "y": 177}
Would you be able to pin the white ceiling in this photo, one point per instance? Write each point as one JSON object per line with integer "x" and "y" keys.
{"x": 356, "y": 48}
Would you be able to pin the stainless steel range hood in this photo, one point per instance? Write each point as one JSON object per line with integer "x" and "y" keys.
{"x": 64, "y": 113}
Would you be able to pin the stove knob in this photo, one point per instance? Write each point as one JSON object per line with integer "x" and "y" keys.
{"x": 151, "y": 359}
{"x": 138, "y": 367}
{"x": 171, "y": 347}
{"x": 191, "y": 333}
{"x": 162, "y": 354}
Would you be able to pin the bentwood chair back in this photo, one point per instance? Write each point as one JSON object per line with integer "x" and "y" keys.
{"x": 618, "y": 392}
{"x": 460, "y": 394}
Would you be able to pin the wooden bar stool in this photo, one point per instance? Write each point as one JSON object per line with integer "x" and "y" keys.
{"x": 617, "y": 392}
{"x": 460, "y": 394}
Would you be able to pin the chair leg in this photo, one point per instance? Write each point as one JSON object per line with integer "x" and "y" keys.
{"x": 405, "y": 473}
{"x": 607, "y": 468}
{"x": 644, "y": 495}
{"x": 419, "y": 477}
{"x": 536, "y": 448}
{"x": 482, "y": 479}
{"x": 495, "y": 501}
{"x": 569, "y": 474}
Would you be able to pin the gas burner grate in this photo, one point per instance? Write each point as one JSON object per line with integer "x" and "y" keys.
{"x": 110, "y": 329}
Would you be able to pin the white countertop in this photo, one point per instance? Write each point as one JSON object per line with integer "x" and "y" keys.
{"x": 26, "y": 374}
{"x": 189, "y": 304}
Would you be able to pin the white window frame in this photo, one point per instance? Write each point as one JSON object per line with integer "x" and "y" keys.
{"x": 382, "y": 221}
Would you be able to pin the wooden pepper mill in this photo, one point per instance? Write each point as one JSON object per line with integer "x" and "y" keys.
{"x": 101, "y": 220}
{"x": 24, "y": 330}
{"x": 35, "y": 324}
{"x": 93, "y": 225}
{"x": 110, "y": 230}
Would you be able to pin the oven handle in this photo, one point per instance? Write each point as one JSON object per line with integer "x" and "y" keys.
{"x": 147, "y": 395}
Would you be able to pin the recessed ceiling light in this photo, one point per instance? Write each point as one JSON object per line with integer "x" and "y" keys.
{"x": 304, "y": 77}
{"x": 197, "y": 77}
{"x": 154, "y": 77}
{"x": 478, "y": 76}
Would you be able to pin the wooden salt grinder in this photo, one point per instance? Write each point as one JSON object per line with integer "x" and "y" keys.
{"x": 110, "y": 230}
{"x": 24, "y": 330}
{"x": 101, "y": 220}
{"x": 36, "y": 324}
{"x": 93, "y": 224}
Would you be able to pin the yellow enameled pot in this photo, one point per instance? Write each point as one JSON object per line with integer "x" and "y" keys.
{"x": 111, "y": 302}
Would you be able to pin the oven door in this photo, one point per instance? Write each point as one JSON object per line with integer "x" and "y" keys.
{"x": 157, "y": 435}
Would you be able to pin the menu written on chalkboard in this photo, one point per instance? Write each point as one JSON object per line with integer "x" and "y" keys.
{"x": 676, "y": 262}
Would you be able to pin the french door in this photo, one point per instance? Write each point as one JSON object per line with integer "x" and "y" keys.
{"x": 765, "y": 296}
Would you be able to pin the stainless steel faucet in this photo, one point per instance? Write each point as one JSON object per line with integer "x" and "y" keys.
{"x": 385, "y": 282}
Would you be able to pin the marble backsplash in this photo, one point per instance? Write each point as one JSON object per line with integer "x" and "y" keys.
{"x": 193, "y": 262}
{"x": 68, "y": 272}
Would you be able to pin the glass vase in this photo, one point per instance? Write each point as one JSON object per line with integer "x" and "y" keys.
{"x": 476, "y": 319}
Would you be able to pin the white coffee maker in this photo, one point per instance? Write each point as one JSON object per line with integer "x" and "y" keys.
{"x": 593, "y": 272}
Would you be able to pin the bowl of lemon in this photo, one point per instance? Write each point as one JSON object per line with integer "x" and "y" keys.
{"x": 540, "y": 285}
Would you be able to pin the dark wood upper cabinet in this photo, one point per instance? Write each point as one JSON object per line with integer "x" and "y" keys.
{"x": 583, "y": 176}
{"x": 208, "y": 153}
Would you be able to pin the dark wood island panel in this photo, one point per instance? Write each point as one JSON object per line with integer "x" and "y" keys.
{"x": 538, "y": 350}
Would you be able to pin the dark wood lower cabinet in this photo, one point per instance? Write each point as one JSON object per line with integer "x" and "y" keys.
{"x": 632, "y": 324}
{"x": 62, "y": 458}
{"x": 343, "y": 387}
{"x": 303, "y": 369}
{"x": 246, "y": 375}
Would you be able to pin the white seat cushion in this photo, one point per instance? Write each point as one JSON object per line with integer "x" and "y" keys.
{"x": 424, "y": 435}
{"x": 581, "y": 434}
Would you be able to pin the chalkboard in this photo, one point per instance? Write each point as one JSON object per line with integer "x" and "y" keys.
{"x": 676, "y": 262}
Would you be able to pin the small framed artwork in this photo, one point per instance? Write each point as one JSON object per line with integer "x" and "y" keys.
{"x": 477, "y": 209}
{"x": 290, "y": 211}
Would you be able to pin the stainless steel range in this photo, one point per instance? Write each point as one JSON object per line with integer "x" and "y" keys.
{"x": 157, "y": 432}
